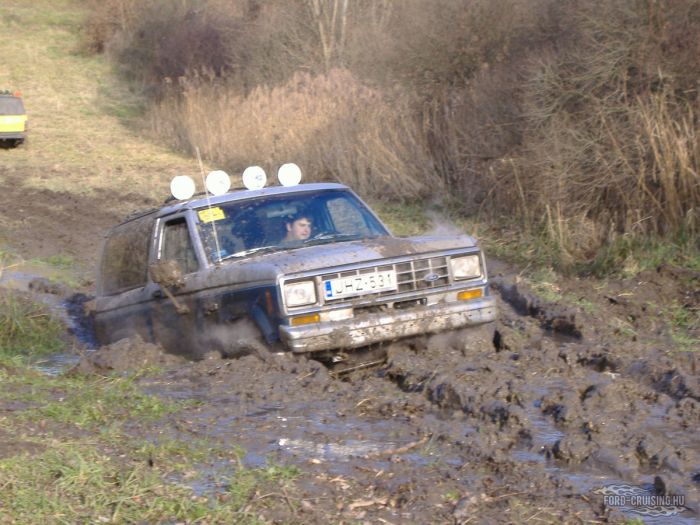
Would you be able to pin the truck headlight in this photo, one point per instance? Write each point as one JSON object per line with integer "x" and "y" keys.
{"x": 300, "y": 293}
{"x": 467, "y": 267}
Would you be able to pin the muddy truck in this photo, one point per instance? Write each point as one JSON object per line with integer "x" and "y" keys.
{"x": 306, "y": 268}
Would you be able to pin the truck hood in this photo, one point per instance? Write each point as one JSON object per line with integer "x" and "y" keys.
{"x": 268, "y": 266}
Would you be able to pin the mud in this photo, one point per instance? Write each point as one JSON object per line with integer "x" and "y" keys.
{"x": 534, "y": 418}
{"x": 530, "y": 417}
{"x": 124, "y": 356}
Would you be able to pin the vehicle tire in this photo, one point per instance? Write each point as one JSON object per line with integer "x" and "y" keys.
{"x": 243, "y": 338}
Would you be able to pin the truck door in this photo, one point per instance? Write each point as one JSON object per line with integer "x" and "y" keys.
{"x": 122, "y": 306}
{"x": 175, "y": 320}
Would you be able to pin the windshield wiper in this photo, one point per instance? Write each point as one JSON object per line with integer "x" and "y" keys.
{"x": 327, "y": 237}
{"x": 259, "y": 249}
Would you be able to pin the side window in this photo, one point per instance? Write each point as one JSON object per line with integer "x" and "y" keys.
{"x": 346, "y": 217}
{"x": 125, "y": 256}
{"x": 176, "y": 245}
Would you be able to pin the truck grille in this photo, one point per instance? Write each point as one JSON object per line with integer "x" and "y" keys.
{"x": 410, "y": 275}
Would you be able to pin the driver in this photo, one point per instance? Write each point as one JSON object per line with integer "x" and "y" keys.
{"x": 298, "y": 228}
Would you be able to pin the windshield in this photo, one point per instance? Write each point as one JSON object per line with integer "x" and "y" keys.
{"x": 11, "y": 106}
{"x": 284, "y": 222}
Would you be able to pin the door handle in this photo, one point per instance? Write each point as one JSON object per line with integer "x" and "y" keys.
{"x": 158, "y": 294}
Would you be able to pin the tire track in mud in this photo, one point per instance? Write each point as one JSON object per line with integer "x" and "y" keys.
{"x": 518, "y": 414}
{"x": 528, "y": 395}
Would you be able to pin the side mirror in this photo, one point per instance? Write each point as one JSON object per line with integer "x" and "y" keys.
{"x": 167, "y": 274}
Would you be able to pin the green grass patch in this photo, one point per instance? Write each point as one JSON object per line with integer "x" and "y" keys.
{"x": 89, "y": 402}
{"x": 623, "y": 328}
{"x": 61, "y": 262}
{"x": 543, "y": 282}
{"x": 27, "y": 329}
{"x": 403, "y": 219}
{"x": 244, "y": 484}
{"x": 88, "y": 482}
{"x": 452, "y": 496}
{"x": 112, "y": 475}
{"x": 628, "y": 255}
{"x": 58, "y": 269}
{"x": 180, "y": 454}
{"x": 585, "y": 304}
{"x": 683, "y": 324}
{"x": 75, "y": 483}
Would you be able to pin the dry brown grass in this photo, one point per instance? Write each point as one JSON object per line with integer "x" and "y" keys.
{"x": 610, "y": 132}
{"x": 332, "y": 125}
{"x": 82, "y": 117}
{"x": 575, "y": 121}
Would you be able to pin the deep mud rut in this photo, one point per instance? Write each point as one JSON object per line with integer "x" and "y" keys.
{"x": 525, "y": 420}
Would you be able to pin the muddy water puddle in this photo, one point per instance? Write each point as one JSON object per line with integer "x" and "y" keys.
{"x": 330, "y": 434}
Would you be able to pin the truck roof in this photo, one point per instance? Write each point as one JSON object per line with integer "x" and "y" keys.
{"x": 199, "y": 200}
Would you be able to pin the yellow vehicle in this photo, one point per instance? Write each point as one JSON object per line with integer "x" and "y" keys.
{"x": 13, "y": 119}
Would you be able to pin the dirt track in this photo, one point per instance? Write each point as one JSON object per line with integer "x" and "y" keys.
{"x": 521, "y": 421}
{"x": 526, "y": 419}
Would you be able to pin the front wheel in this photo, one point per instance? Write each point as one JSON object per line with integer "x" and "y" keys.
{"x": 240, "y": 338}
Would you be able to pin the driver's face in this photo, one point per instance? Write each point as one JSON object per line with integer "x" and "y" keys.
{"x": 299, "y": 230}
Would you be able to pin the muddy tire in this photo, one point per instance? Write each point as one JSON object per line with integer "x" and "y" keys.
{"x": 244, "y": 338}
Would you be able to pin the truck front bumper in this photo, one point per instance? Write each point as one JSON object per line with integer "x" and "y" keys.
{"x": 366, "y": 329}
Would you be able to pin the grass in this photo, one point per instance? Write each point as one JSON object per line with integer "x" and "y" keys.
{"x": 684, "y": 327}
{"x": 171, "y": 450}
{"x": 95, "y": 402}
{"x": 61, "y": 262}
{"x": 623, "y": 328}
{"x": 89, "y": 466}
{"x": 628, "y": 255}
{"x": 86, "y": 402}
{"x": 543, "y": 283}
{"x": 451, "y": 496}
{"x": 75, "y": 483}
{"x": 27, "y": 329}
{"x": 403, "y": 220}
{"x": 56, "y": 269}
{"x": 90, "y": 462}
{"x": 82, "y": 118}
{"x": 81, "y": 481}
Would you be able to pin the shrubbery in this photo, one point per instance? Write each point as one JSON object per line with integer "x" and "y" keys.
{"x": 577, "y": 120}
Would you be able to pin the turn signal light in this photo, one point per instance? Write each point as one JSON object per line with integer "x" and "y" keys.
{"x": 305, "y": 319}
{"x": 469, "y": 294}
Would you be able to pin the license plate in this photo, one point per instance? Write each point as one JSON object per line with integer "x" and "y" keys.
{"x": 359, "y": 284}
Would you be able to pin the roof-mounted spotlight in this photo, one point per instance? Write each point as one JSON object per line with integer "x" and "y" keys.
{"x": 182, "y": 187}
{"x": 218, "y": 182}
{"x": 254, "y": 178}
{"x": 289, "y": 174}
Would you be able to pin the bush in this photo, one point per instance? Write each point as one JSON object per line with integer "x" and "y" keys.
{"x": 332, "y": 125}
{"x": 574, "y": 121}
{"x": 613, "y": 142}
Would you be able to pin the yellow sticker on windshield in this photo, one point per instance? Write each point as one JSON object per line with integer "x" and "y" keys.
{"x": 211, "y": 214}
